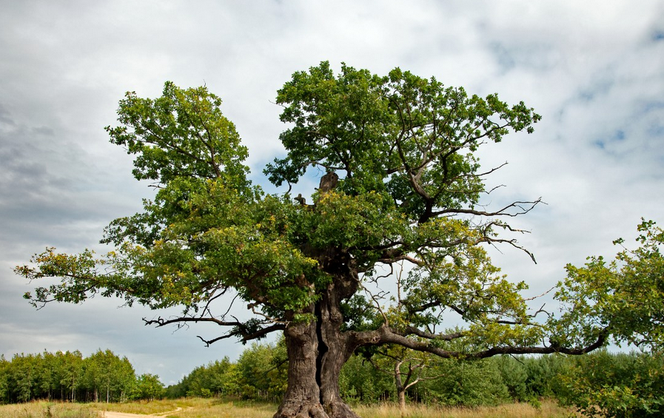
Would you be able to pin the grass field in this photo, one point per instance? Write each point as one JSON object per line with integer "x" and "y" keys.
{"x": 48, "y": 410}
{"x": 215, "y": 408}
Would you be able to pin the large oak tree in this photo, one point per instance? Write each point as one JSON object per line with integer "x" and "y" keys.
{"x": 401, "y": 186}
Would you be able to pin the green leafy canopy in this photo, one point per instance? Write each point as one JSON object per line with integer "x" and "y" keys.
{"x": 403, "y": 149}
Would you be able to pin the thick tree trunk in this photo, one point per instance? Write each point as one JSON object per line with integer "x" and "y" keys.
{"x": 331, "y": 364}
{"x": 316, "y": 353}
{"x": 302, "y": 398}
{"x": 335, "y": 351}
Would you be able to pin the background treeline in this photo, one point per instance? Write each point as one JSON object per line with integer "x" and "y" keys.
{"x": 260, "y": 373}
{"x": 67, "y": 376}
{"x": 621, "y": 384}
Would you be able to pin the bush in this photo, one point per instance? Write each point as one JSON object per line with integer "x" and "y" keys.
{"x": 616, "y": 385}
{"x": 466, "y": 383}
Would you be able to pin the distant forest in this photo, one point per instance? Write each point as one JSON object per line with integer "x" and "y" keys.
{"x": 635, "y": 379}
{"x": 68, "y": 376}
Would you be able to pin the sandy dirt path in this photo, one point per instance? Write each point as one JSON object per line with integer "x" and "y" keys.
{"x": 113, "y": 414}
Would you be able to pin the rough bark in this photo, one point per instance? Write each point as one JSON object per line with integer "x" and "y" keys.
{"x": 336, "y": 353}
{"x": 316, "y": 353}
{"x": 302, "y": 398}
{"x": 313, "y": 376}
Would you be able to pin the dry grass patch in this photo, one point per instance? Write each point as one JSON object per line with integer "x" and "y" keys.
{"x": 224, "y": 409}
{"x": 217, "y": 408}
{"x": 43, "y": 409}
{"x": 548, "y": 409}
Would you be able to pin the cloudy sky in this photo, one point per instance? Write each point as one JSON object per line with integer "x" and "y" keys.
{"x": 593, "y": 69}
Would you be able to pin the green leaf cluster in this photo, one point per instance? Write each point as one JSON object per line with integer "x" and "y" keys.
{"x": 408, "y": 137}
{"x": 623, "y": 297}
{"x": 181, "y": 134}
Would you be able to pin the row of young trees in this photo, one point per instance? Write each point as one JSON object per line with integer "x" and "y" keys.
{"x": 68, "y": 376}
{"x": 623, "y": 385}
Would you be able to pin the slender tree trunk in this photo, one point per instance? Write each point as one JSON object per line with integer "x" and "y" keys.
{"x": 401, "y": 389}
{"x": 402, "y": 400}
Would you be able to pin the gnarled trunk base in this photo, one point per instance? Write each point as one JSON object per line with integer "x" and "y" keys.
{"x": 339, "y": 410}
{"x": 291, "y": 408}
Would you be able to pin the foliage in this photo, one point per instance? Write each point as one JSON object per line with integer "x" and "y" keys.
{"x": 4, "y": 373}
{"x": 215, "y": 379}
{"x": 531, "y": 378}
{"x": 259, "y": 373}
{"x": 361, "y": 383}
{"x": 623, "y": 298}
{"x": 67, "y": 376}
{"x": 467, "y": 383}
{"x": 406, "y": 148}
{"x": 207, "y": 229}
{"x": 616, "y": 385}
{"x": 625, "y": 384}
{"x": 109, "y": 376}
{"x": 442, "y": 382}
{"x": 148, "y": 387}
{"x": 262, "y": 371}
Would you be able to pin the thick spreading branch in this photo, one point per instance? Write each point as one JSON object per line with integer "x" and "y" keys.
{"x": 385, "y": 335}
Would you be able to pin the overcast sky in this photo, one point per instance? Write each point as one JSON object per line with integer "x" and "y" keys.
{"x": 593, "y": 69}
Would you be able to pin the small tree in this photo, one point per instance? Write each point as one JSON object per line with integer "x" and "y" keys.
{"x": 108, "y": 376}
{"x": 22, "y": 378}
{"x": 71, "y": 372}
{"x": 262, "y": 371}
{"x": 401, "y": 182}
{"x": 148, "y": 387}
{"x": 360, "y": 381}
{"x": 623, "y": 297}
{"x": 407, "y": 368}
